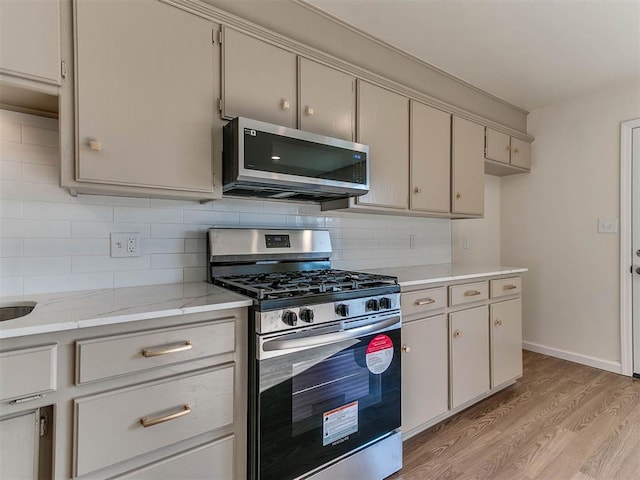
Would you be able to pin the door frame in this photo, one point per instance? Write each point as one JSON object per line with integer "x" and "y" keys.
{"x": 626, "y": 254}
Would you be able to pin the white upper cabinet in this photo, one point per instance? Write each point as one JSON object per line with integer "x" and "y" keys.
{"x": 520, "y": 153}
{"x": 259, "y": 80}
{"x": 467, "y": 172}
{"x": 327, "y": 100}
{"x": 30, "y": 39}
{"x": 498, "y": 146}
{"x": 506, "y": 150}
{"x": 145, "y": 95}
{"x": 430, "y": 159}
{"x": 383, "y": 124}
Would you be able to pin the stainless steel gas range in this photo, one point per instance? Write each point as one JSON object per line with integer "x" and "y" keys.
{"x": 324, "y": 356}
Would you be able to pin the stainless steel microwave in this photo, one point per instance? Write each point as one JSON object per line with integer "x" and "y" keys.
{"x": 270, "y": 161}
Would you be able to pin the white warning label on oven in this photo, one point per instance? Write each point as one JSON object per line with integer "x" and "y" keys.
{"x": 379, "y": 353}
{"x": 339, "y": 423}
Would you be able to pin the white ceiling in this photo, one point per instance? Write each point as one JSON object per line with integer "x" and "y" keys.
{"x": 531, "y": 53}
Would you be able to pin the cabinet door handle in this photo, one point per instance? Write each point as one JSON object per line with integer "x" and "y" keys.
{"x": 516, "y": 151}
{"x": 425, "y": 301}
{"x": 186, "y": 410}
{"x": 95, "y": 145}
{"x": 458, "y": 195}
{"x": 472, "y": 293}
{"x": 498, "y": 323}
{"x": 417, "y": 190}
{"x": 406, "y": 348}
{"x": 285, "y": 105}
{"x": 308, "y": 111}
{"x": 510, "y": 287}
{"x": 457, "y": 333}
{"x": 147, "y": 352}
{"x": 508, "y": 148}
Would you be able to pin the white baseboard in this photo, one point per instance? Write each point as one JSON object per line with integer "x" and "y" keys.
{"x": 607, "y": 365}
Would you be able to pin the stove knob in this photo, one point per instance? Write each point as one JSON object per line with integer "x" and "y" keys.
{"x": 373, "y": 305}
{"x": 306, "y": 315}
{"x": 385, "y": 303}
{"x": 290, "y": 318}
{"x": 342, "y": 310}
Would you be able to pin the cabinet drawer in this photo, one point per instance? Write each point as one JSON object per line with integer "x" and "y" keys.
{"x": 468, "y": 293}
{"x": 106, "y": 357}
{"x": 423, "y": 300}
{"x": 40, "y": 363}
{"x": 211, "y": 461}
{"x": 109, "y": 426}
{"x": 505, "y": 286}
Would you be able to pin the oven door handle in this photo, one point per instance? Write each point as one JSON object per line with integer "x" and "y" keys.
{"x": 328, "y": 338}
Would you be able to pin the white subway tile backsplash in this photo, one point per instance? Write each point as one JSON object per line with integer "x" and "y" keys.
{"x": 147, "y": 277}
{"x": 10, "y": 170}
{"x": 53, "y": 247}
{"x": 42, "y": 137}
{"x": 51, "y": 241}
{"x": 10, "y": 209}
{"x": 11, "y": 132}
{"x": 147, "y": 215}
{"x": 178, "y": 260}
{"x": 11, "y": 247}
{"x": 67, "y": 283}
{"x": 65, "y": 211}
{"x": 105, "y": 263}
{"x": 162, "y": 245}
{"x": 103, "y": 230}
{"x": 19, "y": 228}
{"x": 24, "y": 266}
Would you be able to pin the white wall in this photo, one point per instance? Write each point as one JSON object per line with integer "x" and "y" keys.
{"x": 483, "y": 233}
{"x": 51, "y": 241}
{"x": 549, "y": 224}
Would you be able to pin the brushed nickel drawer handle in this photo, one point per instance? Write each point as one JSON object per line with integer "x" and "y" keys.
{"x": 510, "y": 287}
{"x": 425, "y": 301}
{"x": 187, "y": 345}
{"x": 186, "y": 410}
{"x": 472, "y": 293}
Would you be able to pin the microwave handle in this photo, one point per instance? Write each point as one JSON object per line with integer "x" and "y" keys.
{"x": 328, "y": 338}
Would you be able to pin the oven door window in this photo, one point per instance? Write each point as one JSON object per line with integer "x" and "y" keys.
{"x": 318, "y": 404}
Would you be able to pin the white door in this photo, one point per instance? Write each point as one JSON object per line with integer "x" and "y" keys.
{"x": 635, "y": 211}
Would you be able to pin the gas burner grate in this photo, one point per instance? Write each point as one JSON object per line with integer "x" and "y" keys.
{"x": 302, "y": 283}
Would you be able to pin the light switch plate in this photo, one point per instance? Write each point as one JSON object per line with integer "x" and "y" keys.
{"x": 125, "y": 244}
{"x": 607, "y": 225}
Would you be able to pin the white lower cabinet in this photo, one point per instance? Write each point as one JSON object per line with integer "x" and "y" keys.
{"x": 461, "y": 343}
{"x": 506, "y": 341}
{"x": 19, "y": 446}
{"x": 425, "y": 384}
{"x": 469, "y": 354}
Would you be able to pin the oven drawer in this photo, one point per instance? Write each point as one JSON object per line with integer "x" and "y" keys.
{"x": 210, "y": 461}
{"x": 105, "y": 357}
{"x": 122, "y": 424}
{"x": 28, "y": 371}
{"x": 468, "y": 293}
{"x": 505, "y": 286}
{"x": 424, "y": 301}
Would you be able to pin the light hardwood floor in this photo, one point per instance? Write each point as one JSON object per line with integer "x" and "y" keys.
{"x": 560, "y": 421}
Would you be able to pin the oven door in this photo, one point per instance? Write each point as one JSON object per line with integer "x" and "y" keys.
{"x": 323, "y": 393}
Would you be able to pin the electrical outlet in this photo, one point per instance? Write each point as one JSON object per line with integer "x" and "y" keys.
{"x": 125, "y": 244}
{"x": 607, "y": 225}
{"x": 412, "y": 241}
{"x": 466, "y": 242}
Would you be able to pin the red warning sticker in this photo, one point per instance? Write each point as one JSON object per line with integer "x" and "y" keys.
{"x": 379, "y": 354}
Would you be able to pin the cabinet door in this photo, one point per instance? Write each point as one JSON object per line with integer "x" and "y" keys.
{"x": 498, "y": 146}
{"x": 383, "y": 124}
{"x": 469, "y": 354}
{"x": 30, "y": 39}
{"x": 327, "y": 100}
{"x": 520, "y": 153}
{"x": 259, "y": 80}
{"x": 467, "y": 167}
{"x": 147, "y": 104}
{"x": 430, "y": 159}
{"x": 425, "y": 389}
{"x": 506, "y": 341}
{"x": 19, "y": 446}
